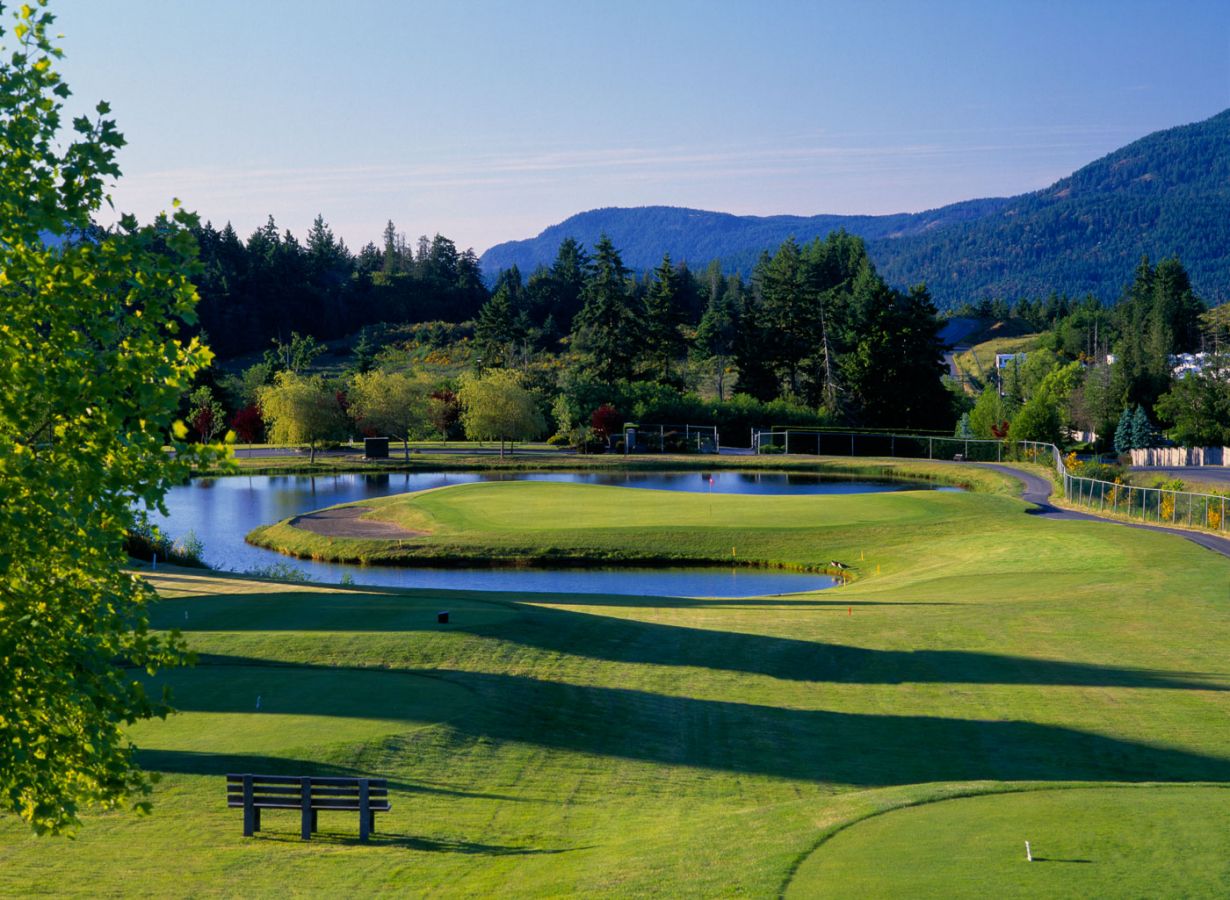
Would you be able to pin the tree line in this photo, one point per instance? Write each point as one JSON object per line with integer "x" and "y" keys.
{"x": 261, "y": 289}
{"x": 814, "y": 336}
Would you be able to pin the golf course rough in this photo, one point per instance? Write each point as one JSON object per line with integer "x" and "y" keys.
{"x": 614, "y": 745}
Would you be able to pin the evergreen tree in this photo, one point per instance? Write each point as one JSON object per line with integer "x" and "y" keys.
{"x": 1123, "y": 431}
{"x": 566, "y": 285}
{"x": 718, "y": 333}
{"x": 391, "y": 263}
{"x": 664, "y": 316}
{"x": 495, "y": 331}
{"x": 787, "y": 311}
{"x": 1143, "y": 433}
{"x": 607, "y": 331}
{"x": 364, "y": 353}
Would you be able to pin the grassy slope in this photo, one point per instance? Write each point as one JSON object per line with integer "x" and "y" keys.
{"x": 978, "y": 363}
{"x": 549, "y": 745}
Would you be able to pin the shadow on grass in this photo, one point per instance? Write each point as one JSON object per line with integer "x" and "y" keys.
{"x": 857, "y": 749}
{"x": 1047, "y": 859}
{"x": 633, "y": 641}
{"x": 407, "y": 841}
{"x": 574, "y": 633}
{"x": 348, "y": 609}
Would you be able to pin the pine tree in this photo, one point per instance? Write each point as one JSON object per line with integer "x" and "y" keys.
{"x": 1123, "y": 432}
{"x": 494, "y": 332}
{"x": 607, "y": 331}
{"x": 663, "y": 317}
{"x": 963, "y": 427}
{"x": 1143, "y": 433}
{"x": 717, "y": 334}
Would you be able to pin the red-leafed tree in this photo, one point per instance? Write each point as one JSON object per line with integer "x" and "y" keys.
{"x": 248, "y": 425}
{"x": 605, "y": 421}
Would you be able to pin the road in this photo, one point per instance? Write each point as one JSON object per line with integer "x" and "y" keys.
{"x": 952, "y": 337}
{"x": 1219, "y": 474}
{"x": 1037, "y": 490}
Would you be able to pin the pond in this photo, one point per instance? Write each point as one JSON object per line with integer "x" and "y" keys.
{"x": 220, "y": 511}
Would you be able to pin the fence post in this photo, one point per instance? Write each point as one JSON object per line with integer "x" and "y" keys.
{"x": 851, "y": 443}
{"x": 929, "y": 448}
{"x": 787, "y": 443}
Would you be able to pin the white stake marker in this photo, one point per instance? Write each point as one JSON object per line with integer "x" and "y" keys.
{"x": 1028, "y": 854}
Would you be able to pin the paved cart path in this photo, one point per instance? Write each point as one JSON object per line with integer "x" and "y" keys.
{"x": 1037, "y": 490}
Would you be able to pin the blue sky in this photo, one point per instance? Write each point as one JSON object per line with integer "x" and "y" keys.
{"x": 488, "y": 121}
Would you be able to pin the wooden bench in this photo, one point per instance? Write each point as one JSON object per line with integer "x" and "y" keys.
{"x": 309, "y": 795}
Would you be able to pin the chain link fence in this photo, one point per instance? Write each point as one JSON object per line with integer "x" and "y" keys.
{"x": 1145, "y": 504}
{"x": 1161, "y": 506}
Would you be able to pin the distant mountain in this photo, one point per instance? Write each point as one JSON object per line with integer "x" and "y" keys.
{"x": 1167, "y": 193}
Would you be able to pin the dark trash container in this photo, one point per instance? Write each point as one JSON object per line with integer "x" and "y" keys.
{"x": 442, "y": 618}
{"x": 376, "y": 448}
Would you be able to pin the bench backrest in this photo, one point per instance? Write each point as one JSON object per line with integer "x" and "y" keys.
{"x": 323, "y": 792}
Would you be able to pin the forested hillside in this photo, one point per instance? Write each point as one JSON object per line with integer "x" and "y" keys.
{"x": 1168, "y": 193}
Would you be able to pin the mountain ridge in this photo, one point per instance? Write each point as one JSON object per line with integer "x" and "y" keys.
{"x": 1163, "y": 194}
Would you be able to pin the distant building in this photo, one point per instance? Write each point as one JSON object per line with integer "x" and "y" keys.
{"x": 1184, "y": 364}
{"x": 1006, "y": 359}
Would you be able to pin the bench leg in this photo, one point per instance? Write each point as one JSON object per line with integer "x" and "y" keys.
{"x": 249, "y": 807}
{"x": 305, "y": 814}
{"x": 365, "y": 810}
{"x": 256, "y": 819}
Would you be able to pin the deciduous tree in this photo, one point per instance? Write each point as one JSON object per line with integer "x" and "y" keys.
{"x": 392, "y": 402}
{"x": 300, "y": 409}
{"x": 93, "y": 362}
{"x": 495, "y": 406}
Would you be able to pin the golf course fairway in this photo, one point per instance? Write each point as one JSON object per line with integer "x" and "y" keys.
{"x": 987, "y": 677}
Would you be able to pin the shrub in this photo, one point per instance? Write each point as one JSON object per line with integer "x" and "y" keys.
{"x": 145, "y": 540}
{"x": 279, "y": 571}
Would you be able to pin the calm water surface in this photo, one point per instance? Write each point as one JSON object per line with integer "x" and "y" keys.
{"x": 220, "y": 511}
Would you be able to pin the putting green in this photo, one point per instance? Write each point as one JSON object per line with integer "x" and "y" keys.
{"x": 1103, "y": 842}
